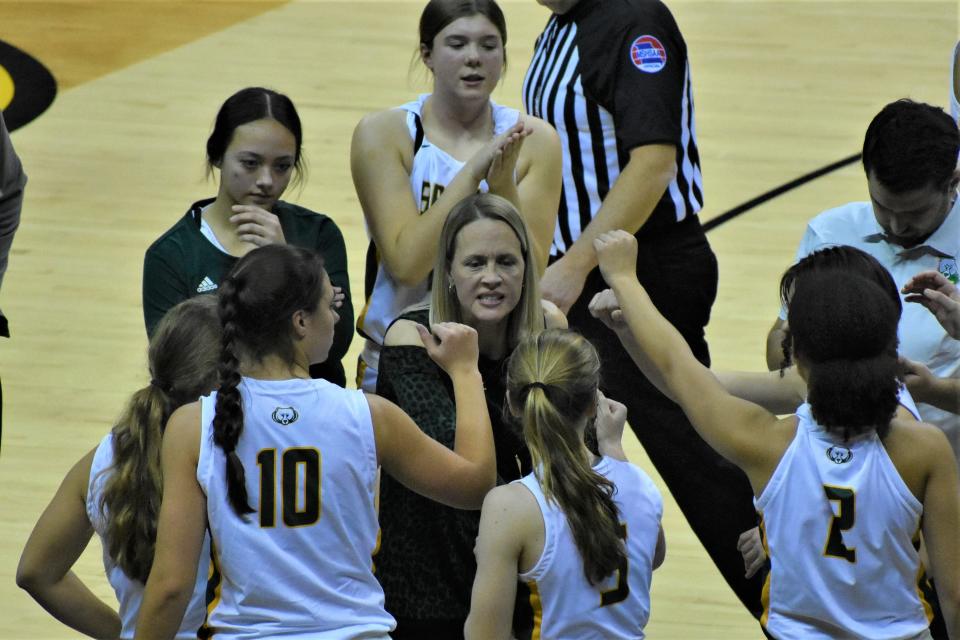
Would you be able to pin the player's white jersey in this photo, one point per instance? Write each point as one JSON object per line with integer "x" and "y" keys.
{"x": 433, "y": 169}
{"x": 565, "y": 605}
{"x": 301, "y": 564}
{"x": 905, "y": 400}
{"x": 840, "y": 526}
{"x": 130, "y": 592}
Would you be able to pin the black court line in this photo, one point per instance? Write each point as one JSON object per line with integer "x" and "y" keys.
{"x": 773, "y": 193}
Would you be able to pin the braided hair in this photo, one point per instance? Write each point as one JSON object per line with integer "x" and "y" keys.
{"x": 257, "y": 299}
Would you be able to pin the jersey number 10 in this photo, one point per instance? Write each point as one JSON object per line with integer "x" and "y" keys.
{"x": 299, "y": 486}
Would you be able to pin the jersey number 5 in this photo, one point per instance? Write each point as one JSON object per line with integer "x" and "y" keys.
{"x": 299, "y": 482}
{"x": 842, "y": 521}
{"x": 622, "y": 590}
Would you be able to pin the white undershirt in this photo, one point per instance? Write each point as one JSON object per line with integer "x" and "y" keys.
{"x": 207, "y": 230}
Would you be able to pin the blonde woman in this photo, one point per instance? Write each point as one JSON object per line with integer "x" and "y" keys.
{"x": 485, "y": 276}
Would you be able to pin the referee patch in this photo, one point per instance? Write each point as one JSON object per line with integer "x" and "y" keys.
{"x": 648, "y": 55}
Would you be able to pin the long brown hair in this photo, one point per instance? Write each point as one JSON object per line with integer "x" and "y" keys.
{"x": 183, "y": 357}
{"x": 847, "y": 333}
{"x": 552, "y": 382}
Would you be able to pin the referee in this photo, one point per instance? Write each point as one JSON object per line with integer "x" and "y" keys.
{"x": 612, "y": 77}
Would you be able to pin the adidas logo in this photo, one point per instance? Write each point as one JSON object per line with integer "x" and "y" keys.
{"x": 206, "y": 285}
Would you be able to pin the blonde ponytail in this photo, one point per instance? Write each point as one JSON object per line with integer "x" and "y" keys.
{"x": 552, "y": 383}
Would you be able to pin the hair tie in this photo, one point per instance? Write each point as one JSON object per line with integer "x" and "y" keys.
{"x": 525, "y": 389}
{"x": 156, "y": 383}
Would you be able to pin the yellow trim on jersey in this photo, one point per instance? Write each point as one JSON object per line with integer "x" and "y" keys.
{"x": 366, "y": 302}
{"x": 216, "y": 578}
{"x": 922, "y": 580}
{"x": 376, "y": 550}
{"x": 363, "y": 315}
{"x": 927, "y": 607}
{"x": 537, "y": 606}
{"x": 765, "y": 592}
{"x": 361, "y": 371}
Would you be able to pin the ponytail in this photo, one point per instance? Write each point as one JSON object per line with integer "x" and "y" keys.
{"x": 844, "y": 331}
{"x": 552, "y": 385}
{"x": 854, "y": 396}
{"x": 131, "y": 496}
{"x": 182, "y": 361}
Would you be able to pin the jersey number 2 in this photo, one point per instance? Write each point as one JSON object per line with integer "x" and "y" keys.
{"x": 622, "y": 590}
{"x": 842, "y": 521}
{"x": 299, "y": 482}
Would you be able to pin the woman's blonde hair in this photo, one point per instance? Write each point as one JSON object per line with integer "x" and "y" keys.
{"x": 527, "y": 317}
{"x": 183, "y": 357}
{"x": 552, "y": 382}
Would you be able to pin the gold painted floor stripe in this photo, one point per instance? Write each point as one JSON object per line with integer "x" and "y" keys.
{"x": 6, "y": 88}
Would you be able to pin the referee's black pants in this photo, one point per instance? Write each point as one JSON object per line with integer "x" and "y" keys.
{"x": 679, "y": 271}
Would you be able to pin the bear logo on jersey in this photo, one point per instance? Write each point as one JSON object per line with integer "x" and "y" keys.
{"x": 839, "y": 455}
{"x": 285, "y": 415}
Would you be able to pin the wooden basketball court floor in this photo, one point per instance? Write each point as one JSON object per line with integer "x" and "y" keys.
{"x": 782, "y": 88}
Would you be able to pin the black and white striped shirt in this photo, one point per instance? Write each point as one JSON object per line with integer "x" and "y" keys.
{"x": 610, "y": 76}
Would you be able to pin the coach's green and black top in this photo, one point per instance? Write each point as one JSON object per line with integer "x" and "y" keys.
{"x": 426, "y": 563}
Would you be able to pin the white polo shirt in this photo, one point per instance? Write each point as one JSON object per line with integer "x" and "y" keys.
{"x": 921, "y": 337}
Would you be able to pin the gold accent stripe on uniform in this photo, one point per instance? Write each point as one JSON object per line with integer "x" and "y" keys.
{"x": 371, "y": 268}
{"x": 537, "y": 606}
{"x": 214, "y": 585}
{"x": 376, "y": 550}
{"x": 922, "y": 580}
{"x": 361, "y": 371}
